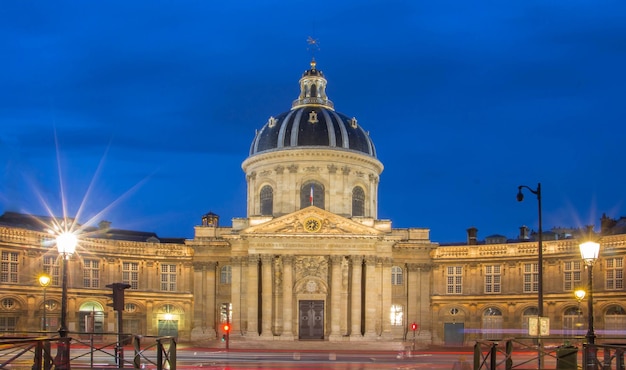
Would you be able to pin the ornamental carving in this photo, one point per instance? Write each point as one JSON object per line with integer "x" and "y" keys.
{"x": 332, "y": 169}
{"x": 311, "y": 266}
{"x": 279, "y": 169}
{"x": 293, "y": 168}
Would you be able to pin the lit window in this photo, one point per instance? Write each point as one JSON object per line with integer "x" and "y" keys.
{"x": 396, "y": 315}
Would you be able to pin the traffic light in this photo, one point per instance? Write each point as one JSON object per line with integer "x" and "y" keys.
{"x": 226, "y": 328}
{"x": 117, "y": 295}
{"x": 414, "y": 326}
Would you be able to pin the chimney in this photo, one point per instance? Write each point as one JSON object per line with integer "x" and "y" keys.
{"x": 210, "y": 219}
{"x": 523, "y": 233}
{"x": 472, "y": 234}
{"x": 606, "y": 224}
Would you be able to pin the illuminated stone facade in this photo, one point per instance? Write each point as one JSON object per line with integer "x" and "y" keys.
{"x": 310, "y": 261}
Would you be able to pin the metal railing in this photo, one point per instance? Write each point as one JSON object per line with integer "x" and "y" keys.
{"x": 35, "y": 352}
{"x": 507, "y": 354}
{"x": 604, "y": 356}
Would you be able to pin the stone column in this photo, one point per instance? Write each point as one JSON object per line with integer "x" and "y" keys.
{"x": 386, "y": 297}
{"x": 211, "y": 294}
{"x": 252, "y": 198}
{"x": 335, "y": 298}
{"x": 371, "y": 296}
{"x": 253, "y": 296}
{"x": 203, "y": 325}
{"x": 412, "y": 314}
{"x": 266, "y": 295}
{"x": 235, "y": 293}
{"x": 287, "y": 298}
{"x": 355, "y": 312}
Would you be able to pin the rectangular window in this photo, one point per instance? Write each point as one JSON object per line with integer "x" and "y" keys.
{"x": 91, "y": 273}
{"x": 8, "y": 323}
{"x": 168, "y": 277}
{"x": 8, "y": 267}
{"x": 571, "y": 275}
{"x": 493, "y": 278}
{"x": 454, "y": 280}
{"x": 531, "y": 277}
{"x": 130, "y": 274}
{"x": 396, "y": 276}
{"x": 396, "y": 315}
{"x": 51, "y": 267}
{"x": 615, "y": 273}
{"x": 226, "y": 275}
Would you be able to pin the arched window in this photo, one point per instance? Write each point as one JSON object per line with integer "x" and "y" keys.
{"x": 528, "y": 313}
{"x": 225, "y": 275}
{"x": 267, "y": 200}
{"x": 312, "y": 192}
{"x": 358, "y": 201}
{"x": 492, "y": 323}
{"x": 571, "y": 321}
{"x": 396, "y": 276}
{"x": 615, "y": 321}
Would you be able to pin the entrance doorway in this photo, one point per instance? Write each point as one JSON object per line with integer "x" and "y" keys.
{"x": 453, "y": 333}
{"x": 168, "y": 328}
{"x": 311, "y": 320}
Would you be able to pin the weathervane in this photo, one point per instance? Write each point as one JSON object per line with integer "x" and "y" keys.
{"x": 314, "y": 45}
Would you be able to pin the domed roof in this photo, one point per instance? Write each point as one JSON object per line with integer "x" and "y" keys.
{"x": 312, "y": 122}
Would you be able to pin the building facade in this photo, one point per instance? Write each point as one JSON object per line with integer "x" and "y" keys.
{"x": 310, "y": 261}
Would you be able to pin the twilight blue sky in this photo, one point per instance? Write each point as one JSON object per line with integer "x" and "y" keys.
{"x": 154, "y": 104}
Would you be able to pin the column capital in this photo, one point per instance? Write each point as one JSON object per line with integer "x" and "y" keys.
{"x": 266, "y": 258}
{"x": 253, "y": 258}
{"x": 287, "y": 259}
{"x": 336, "y": 260}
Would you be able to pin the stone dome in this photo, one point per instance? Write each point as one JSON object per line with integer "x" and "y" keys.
{"x": 312, "y": 122}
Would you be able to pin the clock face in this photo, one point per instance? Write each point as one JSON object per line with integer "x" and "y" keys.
{"x": 312, "y": 224}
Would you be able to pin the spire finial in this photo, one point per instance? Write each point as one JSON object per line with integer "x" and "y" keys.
{"x": 314, "y": 45}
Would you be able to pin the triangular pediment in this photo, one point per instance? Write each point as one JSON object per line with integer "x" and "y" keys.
{"x": 312, "y": 221}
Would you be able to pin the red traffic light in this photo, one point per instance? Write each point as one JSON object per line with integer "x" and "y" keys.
{"x": 413, "y": 326}
{"x": 226, "y": 328}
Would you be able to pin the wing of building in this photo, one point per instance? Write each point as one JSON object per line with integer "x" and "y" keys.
{"x": 310, "y": 260}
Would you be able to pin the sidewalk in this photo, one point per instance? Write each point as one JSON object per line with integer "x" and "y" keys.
{"x": 243, "y": 344}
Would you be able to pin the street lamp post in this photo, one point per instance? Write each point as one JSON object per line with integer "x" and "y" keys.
{"x": 66, "y": 245}
{"x": 589, "y": 252}
{"x": 520, "y": 197}
{"x": 580, "y": 295}
{"x": 44, "y": 281}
